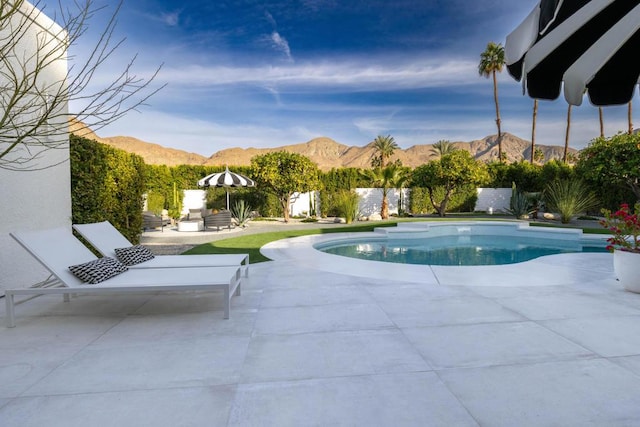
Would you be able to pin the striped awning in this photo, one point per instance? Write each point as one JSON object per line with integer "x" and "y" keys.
{"x": 590, "y": 45}
{"x": 226, "y": 179}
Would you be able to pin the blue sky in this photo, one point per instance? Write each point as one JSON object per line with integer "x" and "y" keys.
{"x": 255, "y": 73}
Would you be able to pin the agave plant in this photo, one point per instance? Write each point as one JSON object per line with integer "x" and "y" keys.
{"x": 521, "y": 205}
{"x": 241, "y": 212}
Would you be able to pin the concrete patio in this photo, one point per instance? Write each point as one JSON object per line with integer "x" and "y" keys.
{"x": 307, "y": 346}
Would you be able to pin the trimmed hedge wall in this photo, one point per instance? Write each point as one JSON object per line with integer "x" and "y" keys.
{"x": 107, "y": 184}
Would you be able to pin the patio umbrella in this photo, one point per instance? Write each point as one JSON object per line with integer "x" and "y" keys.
{"x": 590, "y": 45}
{"x": 226, "y": 179}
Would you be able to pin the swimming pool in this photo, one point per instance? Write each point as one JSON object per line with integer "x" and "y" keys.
{"x": 463, "y": 244}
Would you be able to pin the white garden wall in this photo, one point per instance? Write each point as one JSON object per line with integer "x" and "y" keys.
{"x": 495, "y": 199}
{"x": 303, "y": 203}
{"x": 193, "y": 199}
{"x": 33, "y": 200}
{"x": 371, "y": 200}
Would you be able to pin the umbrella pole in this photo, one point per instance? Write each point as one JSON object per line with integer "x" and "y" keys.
{"x": 227, "y": 199}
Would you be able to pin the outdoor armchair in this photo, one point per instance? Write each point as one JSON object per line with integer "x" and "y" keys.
{"x": 151, "y": 220}
{"x": 217, "y": 220}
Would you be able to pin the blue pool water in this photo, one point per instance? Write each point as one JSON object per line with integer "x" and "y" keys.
{"x": 458, "y": 249}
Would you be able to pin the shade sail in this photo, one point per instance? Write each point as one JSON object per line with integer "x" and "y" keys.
{"x": 590, "y": 45}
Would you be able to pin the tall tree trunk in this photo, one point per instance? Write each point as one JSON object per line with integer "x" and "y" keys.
{"x": 566, "y": 135}
{"x": 286, "y": 205}
{"x": 533, "y": 129}
{"x": 384, "y": 209}
{"x": 498, "y": 123}
{"x": 601, "y": 117}
{"x": 630, "y": 117}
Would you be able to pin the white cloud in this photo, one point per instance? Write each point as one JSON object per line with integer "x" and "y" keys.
{"x": 271, "y": 19}
{"x": 281, "y": 44}
{"x": 354, "y": 75}
{"x": 277, "y": 41}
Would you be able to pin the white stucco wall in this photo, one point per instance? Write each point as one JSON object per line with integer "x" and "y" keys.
{"x": 497, "y": 199}
{"x": 193, "y": 199}
{"x": 371, "y": 200}
{"x": 32, "y": 200}
{"x": 300, "y": 203}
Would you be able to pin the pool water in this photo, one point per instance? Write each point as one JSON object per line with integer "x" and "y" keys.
{"x": 459, "y": 250}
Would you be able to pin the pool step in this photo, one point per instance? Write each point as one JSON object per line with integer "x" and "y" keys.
{"x": 497, "y": 228}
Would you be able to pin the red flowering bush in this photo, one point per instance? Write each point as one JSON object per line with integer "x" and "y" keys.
{"x": 625, "y": 228}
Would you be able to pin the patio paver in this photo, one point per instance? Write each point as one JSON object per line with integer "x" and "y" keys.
{"x": 387, "y": 351}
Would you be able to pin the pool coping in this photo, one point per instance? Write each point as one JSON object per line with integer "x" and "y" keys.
{"x": 551, "y": 270}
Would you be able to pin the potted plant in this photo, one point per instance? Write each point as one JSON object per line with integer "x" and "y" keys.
{"x": 624, "y": 225}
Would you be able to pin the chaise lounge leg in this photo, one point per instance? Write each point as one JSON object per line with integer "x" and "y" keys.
{"x": 227, "y": 302}
{"x": 10, "y": 311}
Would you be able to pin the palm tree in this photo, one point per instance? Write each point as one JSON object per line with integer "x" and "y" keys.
{"x": 538, "y": 155}
{"x": 630, "y": 117}
{"x": 533, "y": 130}
{"x": 491, "y": 62}
{"x": 566, "y": 135}
{"x": 384, "y": 147}
{"x": 441, "y": 148}
{"x": 392, "y": 176}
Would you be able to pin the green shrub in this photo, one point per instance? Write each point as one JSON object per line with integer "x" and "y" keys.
{"x": 155, "y": 202}
{"x": 462, "y": 201}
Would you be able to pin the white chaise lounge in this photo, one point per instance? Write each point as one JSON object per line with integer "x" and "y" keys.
{"x": 57, "y": 249}
{"x": 105, "y": 238}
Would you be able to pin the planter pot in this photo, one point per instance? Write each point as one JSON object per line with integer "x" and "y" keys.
{"x": 626, "y": 265}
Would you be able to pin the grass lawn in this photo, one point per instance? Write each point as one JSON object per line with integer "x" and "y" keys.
{"x": 251, "y": 243}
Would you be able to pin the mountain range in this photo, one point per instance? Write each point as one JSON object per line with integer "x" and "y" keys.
{"x": 325, "y": 152}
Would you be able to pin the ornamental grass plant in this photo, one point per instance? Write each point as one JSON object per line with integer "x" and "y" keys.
{"x": 569, "y": 198}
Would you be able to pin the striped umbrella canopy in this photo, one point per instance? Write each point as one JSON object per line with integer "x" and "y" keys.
{"x": 226, "y": 179}
{"x": 590, "y": 45}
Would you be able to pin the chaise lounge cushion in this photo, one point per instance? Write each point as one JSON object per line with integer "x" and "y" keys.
{"x": 98, "y": 270}
{"x": 133, "y": 255}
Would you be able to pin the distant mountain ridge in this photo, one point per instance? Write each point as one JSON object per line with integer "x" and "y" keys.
{"x": 325, "y": 152}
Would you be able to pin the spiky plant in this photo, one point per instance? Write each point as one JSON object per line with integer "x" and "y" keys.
{"x": 241, "y": 212}
{"x": 520, "y": 205}
{"x": 569, "y": 198}
{"x": 348, "y": 205}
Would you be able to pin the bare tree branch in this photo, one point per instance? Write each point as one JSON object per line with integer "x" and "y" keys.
{"x": 39, "y": 81}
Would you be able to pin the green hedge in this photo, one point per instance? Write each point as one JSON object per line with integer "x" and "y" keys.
{"x": 107, "y": 184}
